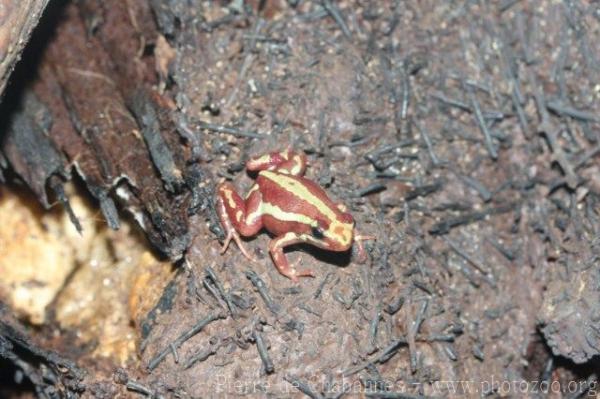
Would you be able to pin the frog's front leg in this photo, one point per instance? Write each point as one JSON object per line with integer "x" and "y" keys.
{"x": 239, "y": 216}
{"x": 360, "y": 252}
{"x": 287, "y": 161}
{"x": 276, "y": 247}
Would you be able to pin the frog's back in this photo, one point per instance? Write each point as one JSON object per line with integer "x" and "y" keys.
{"x": 296, "y": 195}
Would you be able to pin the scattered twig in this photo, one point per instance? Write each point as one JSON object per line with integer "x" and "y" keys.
{"x": 424, "y": 190}
{"x": 203, "y": 354}
{"x": 141, "y": 389}
{"x": 174, "y": 352}
{"x": 477, "y": 351}
{"x": 182, "y": 338}
{"x": 262, "y": 289}
{"x": 506, "y": 4}
{"x": 507, "y": 253}
{"x": 335, "y": 13}
{"x": 562, "y": 109}
{"x": 475, "y": 262}
{"x": 413, "y": 330}
{"x": 263, "y": 353}
{"x": 423, "y": 286}
{"x": 230, "y": 130}
{"x": 465, "y": 107}
{"x": 322, "y": 285}
{"x": 395, "y": 305}
{"x": 370, "y": 189}
{"x": 307, "y": 309}
{"x": 450, "y": 352}
{"x": 213, "y": 276}
{"x": 374, "y": 327}
{"x": 405, "y": 94}
{"x": 212, "y": 289}
{"x": 520, "y": 114}
{"x": 489, "y": 144}
{"x": 444, "y": 226}
{"x": 375, "y": 157}
{"x": 483, "y": 192}
{"x": 550, "y": 132}
{"x": 388, "y": 352}
{"x": 391, "y": 350}
{"x": 434, "y": 159}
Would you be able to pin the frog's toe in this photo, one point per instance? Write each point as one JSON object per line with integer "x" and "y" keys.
{"x": 306, "y": 273}
{"x": 244, "y": 250}
{"x": 233, "y": 235}
{"x": 226, "y": 243}
{"x": 294, "y": 274}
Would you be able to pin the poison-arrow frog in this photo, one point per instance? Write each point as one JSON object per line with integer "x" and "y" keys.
{"x": 291, "y": 207}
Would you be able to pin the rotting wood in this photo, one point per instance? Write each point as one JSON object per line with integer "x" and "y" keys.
{"x": 18, "y": 19}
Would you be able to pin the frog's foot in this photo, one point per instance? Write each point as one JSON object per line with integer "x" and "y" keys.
{"x": 293, "y": 274}
{"x": 276, "y": 250}
{"x": 361, "y": 253}
{"x": 233, "y": 235}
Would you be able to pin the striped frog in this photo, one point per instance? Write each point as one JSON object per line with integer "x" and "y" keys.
{"x": 291, "y": 207}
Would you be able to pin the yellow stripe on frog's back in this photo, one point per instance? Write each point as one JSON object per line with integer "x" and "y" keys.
{"x": 280, "y": 214}
{"x": 252, "y": 189}
{"x": 292, "y": 185}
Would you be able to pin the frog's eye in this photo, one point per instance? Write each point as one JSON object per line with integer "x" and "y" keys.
{"x": 317, "y": 233}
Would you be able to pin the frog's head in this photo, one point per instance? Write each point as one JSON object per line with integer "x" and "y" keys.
{"x": 336, "y": 235}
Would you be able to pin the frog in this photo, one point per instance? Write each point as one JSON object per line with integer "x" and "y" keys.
{"x": 293, "y": 208}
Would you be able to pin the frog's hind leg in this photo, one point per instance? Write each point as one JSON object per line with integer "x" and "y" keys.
{"x": 276, "y": 247}
{"x": 237, "y": 216}
{"x": 287, "y": 161}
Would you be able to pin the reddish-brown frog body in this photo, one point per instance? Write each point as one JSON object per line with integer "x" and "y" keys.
{"x": 291, "y": 207}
